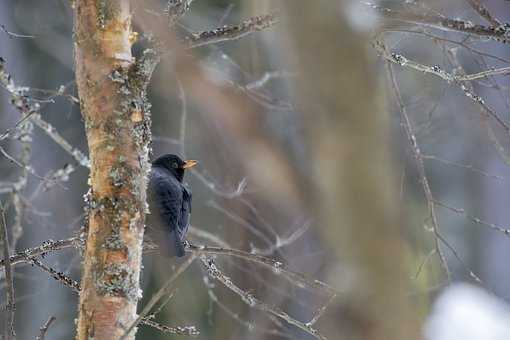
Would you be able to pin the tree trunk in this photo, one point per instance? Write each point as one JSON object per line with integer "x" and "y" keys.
{"x": 353, "y": 183}
{"x": 111, "y": 86}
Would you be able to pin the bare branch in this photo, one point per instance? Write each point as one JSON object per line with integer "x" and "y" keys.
{"x": 78, "y": 155}
{"x": 277, "y": 267}
{"x": 483, "y": 12}
{"x": 473, "y": 219}
{"x": 61, "y": 277}
{"x": 163, "y": 291}
{"x": 18, "y": 98}
{"x": 11, "y": 300}
{"x": 176, "y": 9}
{"x": 41, "y": 250}
{"x": 468, "y": 167}
{"x": 249, "y": 325}
{"x": 498, "y": 33}
{"x": 179, "y": 330}
{"x": 75, "y": 286}
{"x": 231, "y": 32}
{"x": 253, "y": 302}
{"x": 417, "y": 155}
{"x": 44, "y": 329}
{"x": 450, "y": 78}
{"x": 15, "y": 35}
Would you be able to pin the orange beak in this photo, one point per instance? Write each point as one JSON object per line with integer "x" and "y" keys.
{"x": 189, "y": 164}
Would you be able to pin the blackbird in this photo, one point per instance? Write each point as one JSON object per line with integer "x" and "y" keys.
{"x": 169, "y": 204}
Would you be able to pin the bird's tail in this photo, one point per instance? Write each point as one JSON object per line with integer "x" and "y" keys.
{"x": 173, "y": 246}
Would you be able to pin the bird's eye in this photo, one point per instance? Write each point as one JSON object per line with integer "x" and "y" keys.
{"x": 175, "y": 165}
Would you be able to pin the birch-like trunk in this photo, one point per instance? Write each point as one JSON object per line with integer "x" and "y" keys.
{"x": 111, "y": 86}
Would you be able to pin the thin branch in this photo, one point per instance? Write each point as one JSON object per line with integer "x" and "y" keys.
{"x": 249, "y": 325}
{"x": 176, "y": 9}
{"x": 416, "y": 151}
{"x": 44, "y": 329}
{"x": 184, "y": 117}
{"x": 59, "y": 276}
{"x": 241, "y": 221}
{"x": 41, "y": 250}
{"x": 419, "y": 17}
{"x": 231, "y": 32}
{"x": 15, "y": 35}
{"x": 178, "y": 330}
{"x": 75, "y": 286}
{"x": 253, "y": 302}
{"x": 277, "y": 267}
{"x": 483, "y": 12}
{"x": 450, "y": 78}
{"x": 78, "y": 155}
{"x": 320, "y": 312}
{"x": 473, "y": 219}
{"x": 11, "y": 300}
{"x": 163, "y": 291}
{"x": 24, "y": 104}
{"x": 27, "y": 168}
{"x": 30, "y": 110}
{"x": 468, "y": 167}
{"x": 422, "y": 264}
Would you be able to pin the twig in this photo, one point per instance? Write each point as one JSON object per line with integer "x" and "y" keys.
{"x": 242, "y": 222}
{"x": 15, "y": 35}
{"x": 165, "y": 290}
{"x": 29, "y": 109}
{"x": 176, "y": 9}
{"x": 475, "y": 220}
{"x": 41, "y": 250}
{"x": 498, "y": 33}
{"x": 249, "y": 325}
{"x": 231, "y": 32}
{"x": 61, "y": 277}
{"x": 320, "y": 312}
{"x": 44, "y": 329}
{"x": 459, "y": 80}
{"x": 415, "y": 149}
{"x": 277, "y": 267}
{"x": 23, "y": 103}
{"x": 27, "y": 168}
{"x": 484, "y": 12}
{"x": 78, "y": 155}
{"x": 205, "y": 235}
{"x": 69, "y": 282}
{"x": 178, "y": 330}
{"x": 11, "y": 300}
{"x": 184, "y": 117}
{"x": 463, "y": 166}
{"x": 253, "y": 302}
{"x": 422, "y": 263}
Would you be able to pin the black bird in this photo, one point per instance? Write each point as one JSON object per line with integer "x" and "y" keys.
{"x": 169, "y": 204}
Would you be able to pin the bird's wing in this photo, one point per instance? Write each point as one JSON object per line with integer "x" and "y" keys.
{"x": 168, "y": 198}
{"x": 185, "y": 213}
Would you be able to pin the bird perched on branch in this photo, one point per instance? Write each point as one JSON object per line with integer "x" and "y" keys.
{"x": 169, "y": 204}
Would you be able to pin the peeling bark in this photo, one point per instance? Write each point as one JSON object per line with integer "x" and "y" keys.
{"x": 112, "y": 88}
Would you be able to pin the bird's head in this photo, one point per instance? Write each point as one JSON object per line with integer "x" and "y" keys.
{"x": 174, "y": 164}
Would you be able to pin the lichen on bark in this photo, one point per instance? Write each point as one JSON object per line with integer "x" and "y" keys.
{"x": 112, "y": 87}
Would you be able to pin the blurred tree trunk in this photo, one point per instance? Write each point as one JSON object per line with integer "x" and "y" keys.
{"x": 353, "y": 181}
{"x": 112, "y": 88}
